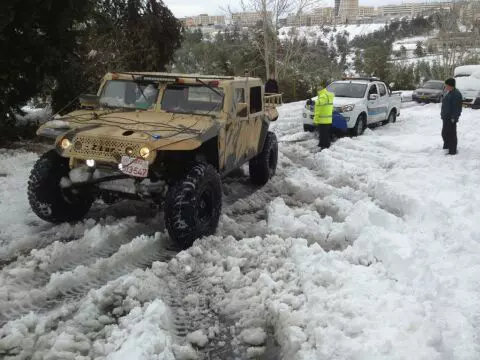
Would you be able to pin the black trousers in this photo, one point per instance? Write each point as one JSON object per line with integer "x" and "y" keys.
{"x": 324, "y": 136}
{"x": 449, "y": 135}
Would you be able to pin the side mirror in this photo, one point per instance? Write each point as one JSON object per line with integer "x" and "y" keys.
{"x": 392, "y": 84}
{"x": 89, "y": 101}
{"x": 242, "y": 110}
{"x": 373, "y": 97}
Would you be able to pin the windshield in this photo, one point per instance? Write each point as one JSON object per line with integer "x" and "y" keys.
{"x": 191, "y": 99}
{"x": 129, "y": 94}
{"x": 347, "y": 90}
{"x": 433, "y": 85}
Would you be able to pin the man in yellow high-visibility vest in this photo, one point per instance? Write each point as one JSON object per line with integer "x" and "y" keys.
{"x": 323, "y": 116}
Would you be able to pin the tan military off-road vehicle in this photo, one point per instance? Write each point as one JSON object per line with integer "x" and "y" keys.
{"x": 167, "y": 138}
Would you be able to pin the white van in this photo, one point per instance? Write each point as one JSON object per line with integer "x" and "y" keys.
{"x": 467, "y": 78}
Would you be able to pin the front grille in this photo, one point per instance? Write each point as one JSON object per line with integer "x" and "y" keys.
{"x": 87, "y": 147}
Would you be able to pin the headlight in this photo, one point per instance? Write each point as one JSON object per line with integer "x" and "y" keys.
{"x": 144, "y": 152}
{"x": 347, "y": 108}
{"x": 65, "y": 144}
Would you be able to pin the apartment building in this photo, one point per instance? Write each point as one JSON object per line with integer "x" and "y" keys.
{"x": 346, "y": 11}
{"x": 413, "y": 9}
{"x": 204, "y": 20}
{"x": 366, "y": 11}
{"x": 248, "y": 19}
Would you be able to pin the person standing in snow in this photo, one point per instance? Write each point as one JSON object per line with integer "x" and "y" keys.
{"x": 450, "y": 113}
{"x": 271, "y": 86}
{"x": 323, "y": 117}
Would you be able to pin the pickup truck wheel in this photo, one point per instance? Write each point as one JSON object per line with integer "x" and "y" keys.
{"x": 193, "y": 205}
{"x": 360, "y": 126}
{"x": 392, "y": 117}
{"x": 48, "y": 200}
{"x": 263, "y": 166}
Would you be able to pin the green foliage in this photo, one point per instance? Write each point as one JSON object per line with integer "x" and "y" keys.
{"x": 398, "y": 29}
{"x": 402, "y": 76}
{"x": 122, "y": 35}
{"x": 376, "y": 60}
{"x": 36, "y": 38}
{"x": 62, "y": 48}
{"x": 302, "y": 65}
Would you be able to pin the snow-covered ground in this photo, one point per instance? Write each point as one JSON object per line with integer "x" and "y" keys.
{"x": 368, "y": 250}
{"x": 324, "y": 33}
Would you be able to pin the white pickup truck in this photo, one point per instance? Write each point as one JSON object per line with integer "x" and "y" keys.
{"x": 361, "y": 102}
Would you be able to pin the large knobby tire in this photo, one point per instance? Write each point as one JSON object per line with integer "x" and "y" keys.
{"x": 263, "y": 166}
{"x": 47, "y": 199}
{"x": 360, "y": 126}
{"x": 194, "y": 204}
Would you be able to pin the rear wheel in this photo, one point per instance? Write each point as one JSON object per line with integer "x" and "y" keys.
{"x": 263, "y": 166}
{"x": 392, "y": 117}
{"x": 193, "y": 205}
{"x": 48, "y": 200}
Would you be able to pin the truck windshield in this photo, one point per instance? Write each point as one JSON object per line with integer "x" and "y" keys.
{"x": 129, "y": 94}
{"x": 348, "y": 90}
{"x": 191, "y": 99}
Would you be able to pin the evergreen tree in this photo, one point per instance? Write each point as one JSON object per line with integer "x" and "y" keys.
{"x": 36, "y": 38}
{"x": 419, "y": 49}
{"x": 121, "y": 35}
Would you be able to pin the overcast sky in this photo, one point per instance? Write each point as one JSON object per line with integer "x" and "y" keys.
{"x": 213, "y": 7}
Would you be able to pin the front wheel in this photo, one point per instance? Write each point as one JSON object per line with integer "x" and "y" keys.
{"x": 360, "y": 126}
{"x": 48, "y": 200}
{"x": 263, "y": 166}
{"x": 193, "y": 205}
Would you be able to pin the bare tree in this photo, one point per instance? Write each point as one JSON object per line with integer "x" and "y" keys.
{"x": 271, "y": 11}
{"x": 455, "y": 46}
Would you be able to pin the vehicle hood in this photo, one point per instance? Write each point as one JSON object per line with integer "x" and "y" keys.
{"x": 341, "y": 101}
{"x": 153, "y": 129}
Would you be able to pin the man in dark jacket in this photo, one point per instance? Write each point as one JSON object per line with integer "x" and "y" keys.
{"x": 271, "y": 86}
{"x": 451, "y": 111}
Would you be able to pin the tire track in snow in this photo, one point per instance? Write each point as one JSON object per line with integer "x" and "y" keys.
{"x": 64, "y": 257}
{"x": 71, "y": 286}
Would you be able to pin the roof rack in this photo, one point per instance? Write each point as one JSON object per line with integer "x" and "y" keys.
{"x": 163, "y": 75}
{"x": 367, "y": 78}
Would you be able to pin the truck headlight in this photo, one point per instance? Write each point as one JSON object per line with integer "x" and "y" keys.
{"x": 347, "y": 108}
{"x": 65, "y": 144}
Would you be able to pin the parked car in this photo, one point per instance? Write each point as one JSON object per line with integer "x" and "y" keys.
{"x": 468, "y": 83}
{"x": 431, "y": 91}
{"x": 361, "y": 102}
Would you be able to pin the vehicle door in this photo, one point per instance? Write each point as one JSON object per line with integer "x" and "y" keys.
{"x": 384, "y": 101}
{"x": 238, "y": 129}
{"x": 373, "y": 105}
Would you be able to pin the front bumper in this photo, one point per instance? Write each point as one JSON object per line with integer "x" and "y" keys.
{"x": 307, "y": 116}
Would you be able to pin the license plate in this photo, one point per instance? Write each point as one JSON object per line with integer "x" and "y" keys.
{"x": 135, "y": 167}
